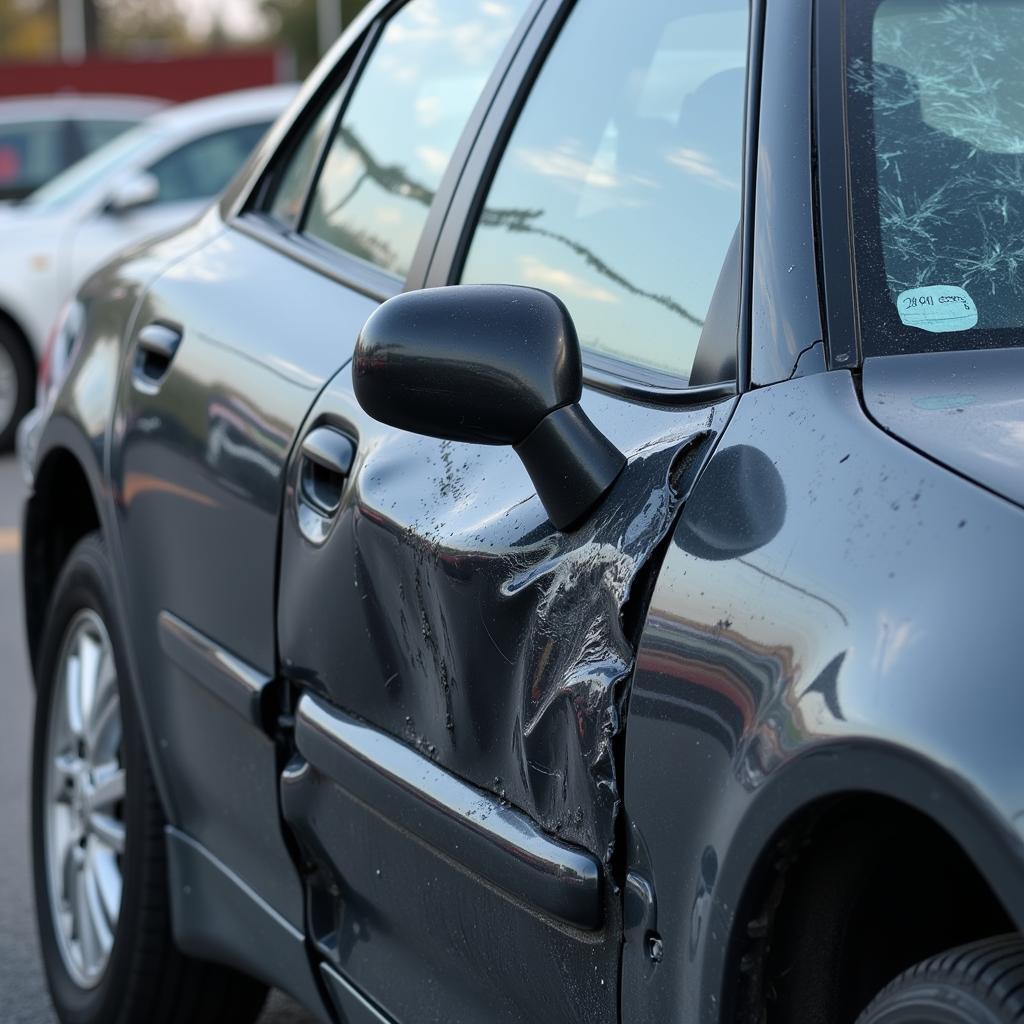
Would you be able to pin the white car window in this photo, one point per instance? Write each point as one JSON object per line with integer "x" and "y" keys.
{"x": 31, "y": 152}
{"x": 78, "y": 179}
{"x": 202, "y": 167}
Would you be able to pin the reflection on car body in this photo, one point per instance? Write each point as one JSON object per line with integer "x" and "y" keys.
{"x": 536, "y": 572}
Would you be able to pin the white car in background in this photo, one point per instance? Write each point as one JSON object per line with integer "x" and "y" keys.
{"x": 152, "y": 179}
{"x": 42, "y": 135}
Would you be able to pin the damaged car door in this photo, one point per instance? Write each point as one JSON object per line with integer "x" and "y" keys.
{"x": 475, "y": 513}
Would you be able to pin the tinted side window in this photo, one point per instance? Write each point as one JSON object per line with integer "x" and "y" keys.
{"x": 622, "y": 193}
{"x": 403, "y": 121}
{"x": 201, "y": 168}
{"x": 30, "y": 153}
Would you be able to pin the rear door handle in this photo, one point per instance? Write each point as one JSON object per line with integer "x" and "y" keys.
{"x": 156, "y": 346}
{"x": 327, "y": 457}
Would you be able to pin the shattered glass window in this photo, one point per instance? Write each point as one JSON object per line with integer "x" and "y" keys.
{"x": 935, "y": 98}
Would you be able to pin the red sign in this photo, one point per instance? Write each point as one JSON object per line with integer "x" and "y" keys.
{"x": 172, "y": 78}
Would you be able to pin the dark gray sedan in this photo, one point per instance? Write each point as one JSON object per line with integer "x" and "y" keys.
{"x": 547, "y": 546}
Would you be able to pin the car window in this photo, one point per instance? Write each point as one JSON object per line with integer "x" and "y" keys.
{"x": 286, "y": 206}
{"x": 201, "y": 168}
{"x": 623, "y": 197}
{"x": 398, "y": 132}
{"x": 89, "y": 173}
{"x": 935, "y": 97}
{"x": 96, "y": 133}
{"x": 30, "y": 153}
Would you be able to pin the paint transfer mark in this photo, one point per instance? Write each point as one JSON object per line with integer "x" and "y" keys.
{"x": 10, "y": 541}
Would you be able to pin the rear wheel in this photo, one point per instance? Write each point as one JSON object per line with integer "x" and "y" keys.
{"x": 98, "y": 832}
{"x": 982, "y": 983}
{"x": 17, "y": 375}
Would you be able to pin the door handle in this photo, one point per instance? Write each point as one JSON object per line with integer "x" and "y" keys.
{"x": 327, "y": 457}
{"x": 156, "y": 345}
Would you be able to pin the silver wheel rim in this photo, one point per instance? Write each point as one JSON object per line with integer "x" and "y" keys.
{"x": 84, "y": 794}
{"x": 8, "y": 387}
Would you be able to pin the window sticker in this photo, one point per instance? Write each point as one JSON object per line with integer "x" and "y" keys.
{"x": 938, "y": 308}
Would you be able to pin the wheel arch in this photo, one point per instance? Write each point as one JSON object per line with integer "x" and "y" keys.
{"x": 71, "y": 498}
{"x": 62, "y": 509}
{"x": 800, "y": 810}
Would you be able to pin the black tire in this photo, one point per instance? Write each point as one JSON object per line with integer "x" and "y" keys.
{"x": 16, "y": 349}
{"x": 146, "y": 979}
{"x": 982, "y": 983}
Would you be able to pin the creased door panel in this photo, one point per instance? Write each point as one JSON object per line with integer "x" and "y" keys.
{"x": 444, "y": 608}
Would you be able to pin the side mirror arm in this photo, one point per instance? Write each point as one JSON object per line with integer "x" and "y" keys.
{"x": 571, "y": 463}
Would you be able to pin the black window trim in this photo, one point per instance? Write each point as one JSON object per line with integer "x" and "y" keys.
{"x": 345, "y": 268}
{"x": 252, "y": 217}
{"x": 837, "y": 255}
{"x": 614, "y": 376}
{"x": 339, "y": 85}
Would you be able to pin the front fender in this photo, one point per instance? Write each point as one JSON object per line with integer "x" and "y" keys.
{"x": 837, "y": 614}
{"x": 78, "y": 427}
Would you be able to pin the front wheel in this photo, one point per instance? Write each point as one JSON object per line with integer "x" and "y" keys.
{"x": 101, "y": 889}
{"x": 982, "y": 983}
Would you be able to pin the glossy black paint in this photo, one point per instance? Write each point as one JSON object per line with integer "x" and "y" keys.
{"x": 479, "y": 831}
{"x": 441, "y": 565}
{"x": 240, "y": 686}
{"x": 961, "y": 408}
{"x": 763, "y": 613}
{"x": 798, "y": 647}
{"x": 416, "y": 936}
{"x": 211, "y": 905}
{"x": 197, "y": 466}
{"x": 786, "y": 337}
{"x": 444, "y": 609}
{"x": 477, "y": 363}
{"x": 490, "y": 364}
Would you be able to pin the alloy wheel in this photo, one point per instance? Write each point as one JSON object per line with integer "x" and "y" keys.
{"x": 85, "y": 791}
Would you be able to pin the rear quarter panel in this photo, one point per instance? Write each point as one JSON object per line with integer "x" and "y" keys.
{"x": 836, "y": 613}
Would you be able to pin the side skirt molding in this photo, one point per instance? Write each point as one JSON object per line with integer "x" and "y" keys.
{"x": 475, "y": 829}
{"x": 218, "y": 917}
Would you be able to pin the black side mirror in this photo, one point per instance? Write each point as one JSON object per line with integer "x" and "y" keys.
{"x": 490, "y": 364}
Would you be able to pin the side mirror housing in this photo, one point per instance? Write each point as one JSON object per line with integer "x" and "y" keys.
{"x": 490, "y": 364}
{"x": 139, "y": 190}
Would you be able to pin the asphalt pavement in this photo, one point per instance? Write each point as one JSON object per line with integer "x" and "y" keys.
{"x": 23, "y": 996}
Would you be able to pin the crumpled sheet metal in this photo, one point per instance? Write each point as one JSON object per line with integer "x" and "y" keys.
{"x": 486, "y": 638}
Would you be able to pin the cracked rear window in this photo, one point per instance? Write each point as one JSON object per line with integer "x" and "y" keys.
{"x": 935, "y": 107}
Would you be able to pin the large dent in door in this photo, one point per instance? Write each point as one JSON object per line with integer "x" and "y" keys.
{"x": 574, "y": 656}
{"x": 446, "y": 610}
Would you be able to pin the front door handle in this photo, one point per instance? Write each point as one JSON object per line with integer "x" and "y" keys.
{"x": 327, "y": 457}
{"x": 156, "y": 346}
